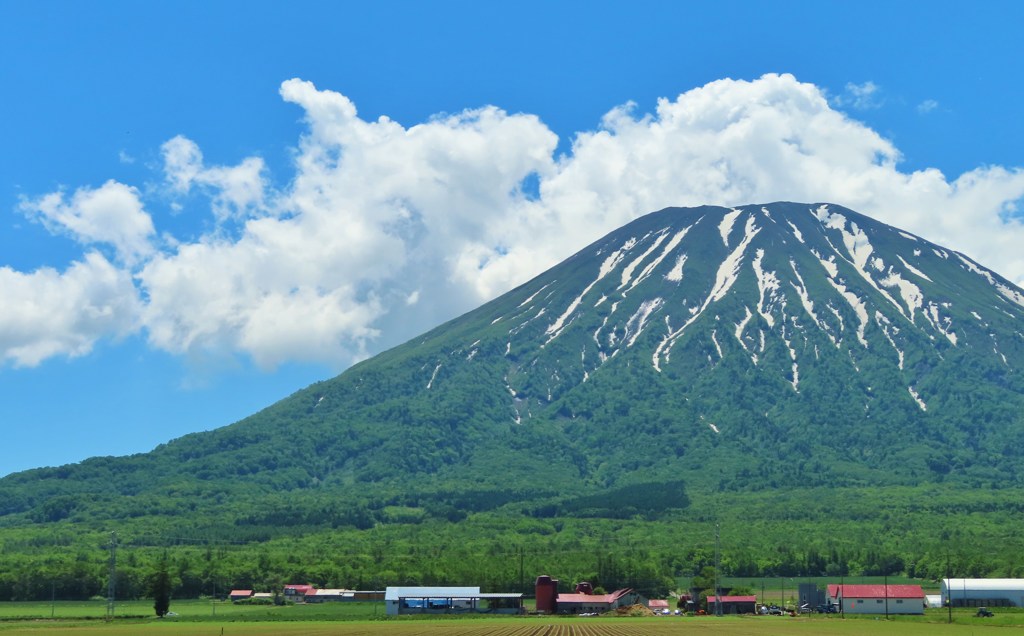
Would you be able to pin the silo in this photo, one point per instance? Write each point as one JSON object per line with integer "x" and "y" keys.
{"x": 547, "y": 593}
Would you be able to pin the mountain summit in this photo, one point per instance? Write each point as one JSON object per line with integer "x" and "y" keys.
{"x": 720, "y": 348}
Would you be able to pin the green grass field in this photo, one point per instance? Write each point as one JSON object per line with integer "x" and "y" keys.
{"x": 196, "y": 618}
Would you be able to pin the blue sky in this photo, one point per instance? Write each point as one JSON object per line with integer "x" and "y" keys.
{"x": 205, "y": 206}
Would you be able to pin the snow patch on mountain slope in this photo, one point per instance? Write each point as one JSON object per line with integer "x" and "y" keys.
{"x": 627, "y": 271}
{"x": 725, "y": 227}
{"x": 534, "y": 295}
{"x": 724, "y": 280}
{"x": 609, "y": 264}
{"x": 807, "y": 303}
{"x": 433, "y": 376}
{"x": 859, "y": 308}
{"x": 796, "y": 232}
{"x": 909, "y": 292}
{"x": 740, "y": 327}
{"x": 942, "y": 324}
{"x": 917, "y": 398}
{"x": 886, "y": 326}
{"x": 914, "y": 270}
{"x": 676, "y": 273}
{"x": 829, "y": 264}
{"x": 635, "y": 324}
{"x": 858, "y": 248}
{"x": 1009, "y": 293}
{"x": 767, "y": 286}
{"x": 669, "y": 248}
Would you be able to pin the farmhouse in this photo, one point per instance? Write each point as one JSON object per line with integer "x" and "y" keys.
{"x": 449, "y": 600}
{"x": 734, "y": 604}
{"x": 983, "y": 592}
{"x": 878, "y": 599}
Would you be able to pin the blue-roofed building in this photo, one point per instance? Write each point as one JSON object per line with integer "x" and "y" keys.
{"x": 449, "y": 600}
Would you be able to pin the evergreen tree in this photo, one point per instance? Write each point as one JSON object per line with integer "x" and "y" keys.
{"x": 161, "y": 587}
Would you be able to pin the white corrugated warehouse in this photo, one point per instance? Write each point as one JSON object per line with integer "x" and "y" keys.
{"x": 983, "y": 592}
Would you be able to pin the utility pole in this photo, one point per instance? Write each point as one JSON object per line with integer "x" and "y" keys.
{"x": 949, "y": 591}
{"x": 522, "y": 582}
{"x": 112, "y": 576}
{"x": 886, "y": 595}
{"x": 718, "y": 588}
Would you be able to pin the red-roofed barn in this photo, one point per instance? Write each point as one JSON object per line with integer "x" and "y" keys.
{"x": 734, "y": 604}
{"x": 878, "y": 599}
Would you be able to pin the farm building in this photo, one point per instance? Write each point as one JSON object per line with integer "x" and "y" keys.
{"x": 734, "y": 604}
{"x": 239, "y": 595}
{"x": 583, "y": 601}
{"x": 322, "y": 596}
{"x": 449, "y": 600}
{"x": 297, "y": 593}
{"x": 983, "y": 592}
{"x": 333, "y": 595}
{"x": 878, "y": 599}
{"x": 658, "y": 605}
{"x": 596, "y": 603}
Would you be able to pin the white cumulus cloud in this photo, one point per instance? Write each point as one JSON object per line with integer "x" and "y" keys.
{"x": 112, "y": 214}
{"x": 234, "y": 190}
{"x": 49, "y": 313}
{"x": 385, "y": 230}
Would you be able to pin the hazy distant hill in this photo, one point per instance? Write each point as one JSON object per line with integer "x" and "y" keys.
{"x": 704, "y": 349}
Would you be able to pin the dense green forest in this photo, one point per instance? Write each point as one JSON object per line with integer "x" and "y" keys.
{"x": 916, "y": 532}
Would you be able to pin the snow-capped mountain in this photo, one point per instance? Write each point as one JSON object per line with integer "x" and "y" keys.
{"x": 778, "y": 285}
{"x": 784, "y": 332}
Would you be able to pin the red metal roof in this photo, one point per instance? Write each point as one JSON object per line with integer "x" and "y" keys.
{"x": 593, "y": 598}
{"x": 657, "y": 603}
{"x": 301, "y": 589}
{"x": 876, "y": 591}
{"x": 734, "y": 599}
{"x": 240, "y": 593}
{"x": 586, "y": 598}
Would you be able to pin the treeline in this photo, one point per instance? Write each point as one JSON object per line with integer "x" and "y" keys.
{"x": 504, "y": 551}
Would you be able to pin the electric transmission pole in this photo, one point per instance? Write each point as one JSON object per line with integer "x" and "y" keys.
{"x": 113, "y": 576}
{"x": 718, "y": 564}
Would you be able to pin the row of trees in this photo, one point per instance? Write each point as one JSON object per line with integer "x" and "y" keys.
{"x": 443, "y": 555}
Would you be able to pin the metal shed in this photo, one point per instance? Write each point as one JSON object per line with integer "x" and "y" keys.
{"x": 983, "y": 592}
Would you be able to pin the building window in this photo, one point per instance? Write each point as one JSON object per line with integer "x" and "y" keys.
{"x": 898, "y": 601}
{"x": 860, "y": 600}
{"x": 879, "y": 601}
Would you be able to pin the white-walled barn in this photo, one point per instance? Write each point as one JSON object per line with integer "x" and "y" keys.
{"x": 449, "y": 600}
{"x": 877, "y": 599}
{"x": 983, "y": 592}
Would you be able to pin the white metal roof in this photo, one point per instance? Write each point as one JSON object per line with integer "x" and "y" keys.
{"x": 1007, "y": 585}
{"x": 395, "y": 593}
